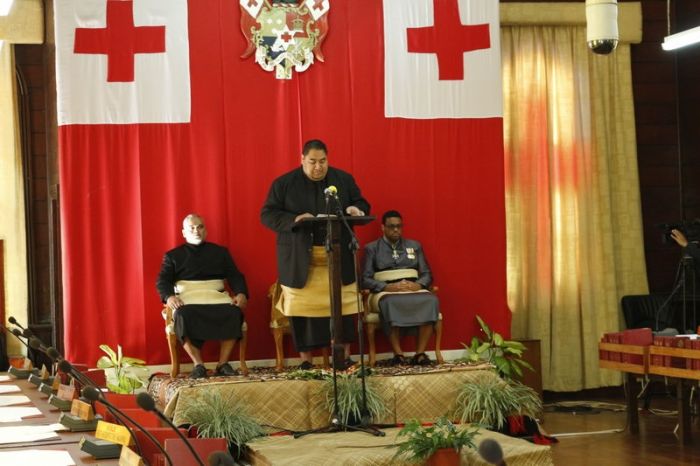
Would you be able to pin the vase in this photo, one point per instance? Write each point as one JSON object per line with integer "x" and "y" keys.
{"x": 444, "y": 457}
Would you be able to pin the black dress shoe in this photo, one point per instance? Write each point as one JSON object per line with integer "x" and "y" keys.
{"x": 225, "y": 370}
{"x": 306, "y": 366}
{"x": 199, "y": 372}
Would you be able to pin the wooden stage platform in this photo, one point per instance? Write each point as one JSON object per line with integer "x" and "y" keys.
{"x": 275, "y": 399}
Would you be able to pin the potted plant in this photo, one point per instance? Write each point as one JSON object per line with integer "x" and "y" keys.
{"x": 438, "y": 444}
{"x": 489, "y": 401}
{"x": 350, "y": 398}
{"x": 505, "y": 355}
{"x": 124, "y": 370}
{"x": 215, "y": 415}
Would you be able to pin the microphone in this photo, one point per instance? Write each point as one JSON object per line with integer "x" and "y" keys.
{"x": 491, "y": 452}
{"x": 93, "y": 394}
{"x": 13, "y": 321}
{"x": 27, "y": 333}
{"x": 331, "y": 191}
{"x": 220, "y": 458}
{"x": 146, "y": 402}
{"x": 36, "y": 344}
{"x": 18, "y": 334}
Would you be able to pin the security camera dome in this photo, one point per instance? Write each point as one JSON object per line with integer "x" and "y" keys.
{"x": 602, "y": 46}
{"x": 601, "y": 25}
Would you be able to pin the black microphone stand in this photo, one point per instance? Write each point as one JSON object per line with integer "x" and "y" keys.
{"x": 336, "y": 425}
{"x": 147, "y": 403}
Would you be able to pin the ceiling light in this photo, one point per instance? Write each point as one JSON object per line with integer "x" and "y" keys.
{"x": 681, "y": 39}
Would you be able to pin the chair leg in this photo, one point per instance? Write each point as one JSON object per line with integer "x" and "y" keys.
{"x": 174, "y": 356}
{"x": 371, "y": 330}
{"x": 278, "y": 334}
{"x": 438, "y": 340}
{"x": 242, "y": 347}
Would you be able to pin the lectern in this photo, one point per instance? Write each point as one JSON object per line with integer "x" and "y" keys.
{"x": 334, "y": 225}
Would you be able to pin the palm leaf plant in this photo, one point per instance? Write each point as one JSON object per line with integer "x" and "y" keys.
{"x": 124, "y": 370}
{"x": 505, "y": 355}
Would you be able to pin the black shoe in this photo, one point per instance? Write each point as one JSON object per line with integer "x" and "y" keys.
{"x": 306, "y": 366}
{"x": 225, "y": 370}
{"x": 421, "y": 359}
{"x": 347, "y": 364}
{"x": 199, "y": 372}
{"x": 397, "y": 360}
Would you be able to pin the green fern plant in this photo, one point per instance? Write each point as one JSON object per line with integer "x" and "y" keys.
{"x": 124, "y": 370}
{"x": 350, "y": 398}
{"x": 505, "y": 355}
{"x": 489, "y": 401}
{"x": 222, "y": 416}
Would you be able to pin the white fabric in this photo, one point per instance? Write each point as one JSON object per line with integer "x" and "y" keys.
{"x": 84, "y": 94}
{"x": 411, "y": 85}
{"x": 315, "y": 12}
{"x": 252, "y": 8}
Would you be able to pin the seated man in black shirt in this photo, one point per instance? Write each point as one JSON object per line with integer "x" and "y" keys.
{"x": 398, "y": 275}
{"x": 191, "y": 282}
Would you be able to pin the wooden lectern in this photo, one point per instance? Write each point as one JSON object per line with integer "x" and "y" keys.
{"x": 334, "y": 224}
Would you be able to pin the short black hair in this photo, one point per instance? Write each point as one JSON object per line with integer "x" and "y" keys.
{"x": 389, "y": 214}
{"x": 314, "y": 144}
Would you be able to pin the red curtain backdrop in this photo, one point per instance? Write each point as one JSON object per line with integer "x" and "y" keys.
{"x": 126, "y": 187}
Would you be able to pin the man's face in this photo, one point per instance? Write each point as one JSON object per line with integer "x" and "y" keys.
{"x": 194, "y": 231}
{"x": 315, "y": 164}
{"x": 392, "y": 228}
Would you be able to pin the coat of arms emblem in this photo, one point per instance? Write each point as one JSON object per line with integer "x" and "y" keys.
{"x": 284, "y": 35}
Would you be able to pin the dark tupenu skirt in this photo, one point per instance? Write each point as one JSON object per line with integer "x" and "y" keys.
{"x": 310, "y": 333}
{"x": 202, "y": 322}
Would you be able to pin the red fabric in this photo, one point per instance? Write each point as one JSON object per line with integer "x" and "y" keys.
{"x": 126, "y": 188}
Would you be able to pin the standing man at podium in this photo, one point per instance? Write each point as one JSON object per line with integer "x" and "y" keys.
{"x": 301, "y": 256}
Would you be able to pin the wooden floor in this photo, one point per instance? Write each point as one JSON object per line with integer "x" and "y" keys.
{"x": 655, "y": 445}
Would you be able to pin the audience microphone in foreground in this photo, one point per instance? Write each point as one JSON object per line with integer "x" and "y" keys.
{"x": 37, "y": 344}
{"x": 331, "y": 191}
{"x": 16, "y": 332}
{"x": 94, "y": 394}
{"x": 146, "y": 402}
{"x": 67, "y": 368}
{"x": 491, "y": 452}
{"x": 13, "y": 321}
{"x": 220, "y": 458}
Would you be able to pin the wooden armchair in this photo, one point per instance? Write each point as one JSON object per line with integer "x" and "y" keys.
{"x": 173, "y": 344}
{"x": 372, "y": 322}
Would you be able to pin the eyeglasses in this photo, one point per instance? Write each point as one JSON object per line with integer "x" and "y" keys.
{"x": 394, "y": 226}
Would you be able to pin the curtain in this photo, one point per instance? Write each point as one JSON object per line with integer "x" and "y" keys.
{"x": 573, "y": 214}
{"x": 12, "y": 224}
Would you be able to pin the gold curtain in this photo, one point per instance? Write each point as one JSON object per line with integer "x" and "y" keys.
{"x": 573, "y": 214}
{"x": 12, "y": 224}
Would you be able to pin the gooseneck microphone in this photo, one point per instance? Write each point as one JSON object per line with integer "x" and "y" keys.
{"x": 491, "y": 452}
{"x": 18, "y": 334}
{"x": 93, "y": 394}
{"x": 13, "y": 321}
{"x": 146, "y": 402}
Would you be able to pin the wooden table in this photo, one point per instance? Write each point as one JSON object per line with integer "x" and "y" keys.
{"x": 681, "y": 378}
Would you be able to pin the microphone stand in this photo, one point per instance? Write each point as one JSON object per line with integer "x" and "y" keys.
{"x": 93, "y": 394}
{"x": 88, "y": 383}
{"x": 146, "y": 402}
{"x": 354, "y": 247}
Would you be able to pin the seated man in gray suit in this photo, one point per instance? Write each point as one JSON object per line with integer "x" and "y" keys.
{"x": 398, "y": 276}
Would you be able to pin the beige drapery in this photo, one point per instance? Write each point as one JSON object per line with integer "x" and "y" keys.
{"x": 573, "y": 213}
